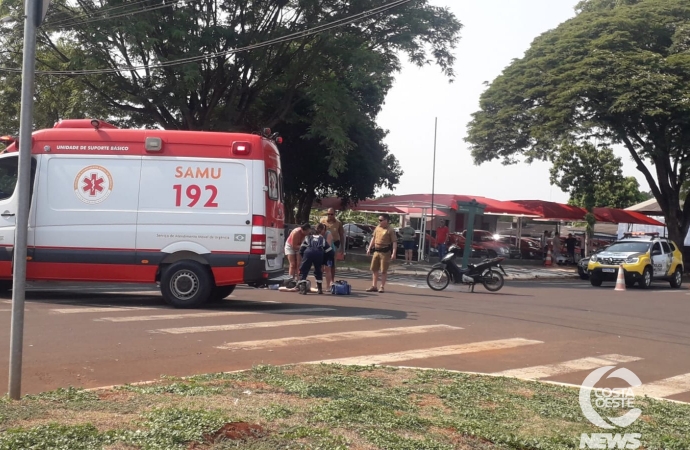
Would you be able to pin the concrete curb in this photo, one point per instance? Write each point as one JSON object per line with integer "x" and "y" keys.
{"x": 423, "y": 274}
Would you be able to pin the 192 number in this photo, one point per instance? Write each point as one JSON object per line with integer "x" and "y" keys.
{"x": 193, "y": 193}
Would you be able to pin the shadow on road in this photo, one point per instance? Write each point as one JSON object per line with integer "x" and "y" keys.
{"x": 240, "y": 301}
{"x": 585, "y": 285}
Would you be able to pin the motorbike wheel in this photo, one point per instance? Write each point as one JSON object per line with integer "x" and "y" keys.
{"x": 493, "y": 281}
{"x": 438, "y": 279}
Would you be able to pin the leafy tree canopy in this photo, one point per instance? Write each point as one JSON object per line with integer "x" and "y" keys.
{"x": 619, "y": 71}
{"x": 236, "y": 90}
{"x": 321, "y": 92}
{"x": 594, "y": 177}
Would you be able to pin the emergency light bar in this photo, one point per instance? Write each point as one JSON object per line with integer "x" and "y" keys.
{"x": 641, "y": 233}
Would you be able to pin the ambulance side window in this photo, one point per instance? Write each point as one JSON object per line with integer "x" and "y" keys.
{"x": 8, "y": 176}
{"x": 273, "y": 185}
{"x": 282, "y": 192}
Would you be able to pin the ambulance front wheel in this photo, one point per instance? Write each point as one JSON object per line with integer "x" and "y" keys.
{"x": 220, "y": 292}
{"x": 5, "y": 286}
{"x": 186, "y": 284}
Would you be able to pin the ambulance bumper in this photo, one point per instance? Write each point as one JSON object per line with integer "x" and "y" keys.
{"x": 255, "y": 273}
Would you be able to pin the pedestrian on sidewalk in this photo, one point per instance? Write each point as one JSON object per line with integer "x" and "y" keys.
{"x": 441, "y": 240}
{"x": 383, "y": 241}
{"x": 292, "y": 246}
{"x": 556, "y": 252}
{"x": 545, "y": 243}
{"x": 408, "y": 235}
{"x": 313, "y": 250}
{"x": 570, "y": 243}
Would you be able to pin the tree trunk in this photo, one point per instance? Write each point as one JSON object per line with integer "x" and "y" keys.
{"x": 677, "y": 232}
{"x": 290, "y": 204}
{"x": 304, "y": 205}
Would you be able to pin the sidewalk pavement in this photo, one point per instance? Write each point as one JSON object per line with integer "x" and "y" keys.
{"x": 514, "y": 272}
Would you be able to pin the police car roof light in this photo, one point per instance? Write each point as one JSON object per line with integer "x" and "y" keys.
{"x": 641, "y": 234}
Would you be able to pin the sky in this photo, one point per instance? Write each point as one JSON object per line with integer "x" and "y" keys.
{"x": 494, "y": 33}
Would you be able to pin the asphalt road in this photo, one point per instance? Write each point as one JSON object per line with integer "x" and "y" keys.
{"x": 98, "y": 335}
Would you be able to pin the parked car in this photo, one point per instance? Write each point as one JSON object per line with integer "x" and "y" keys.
{"x": 529, "y": 248}
{"x": 582, "y": 268}
{"x": 368, "y": 231}
{"x": 640, "y": 258}
{"x": 429, "y": 245}
{"x": 493, "y": 247}
{"x": 354, "y": 235}
{"x": 459, "y": 240}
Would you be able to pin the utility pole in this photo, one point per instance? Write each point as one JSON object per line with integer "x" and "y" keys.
{"x": 34, "y": 13}
{"x": 433, "y": 187}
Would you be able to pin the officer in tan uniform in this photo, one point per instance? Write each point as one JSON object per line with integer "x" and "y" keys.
{"x": 385, "y": 246}
{"x": 338, "y": 234}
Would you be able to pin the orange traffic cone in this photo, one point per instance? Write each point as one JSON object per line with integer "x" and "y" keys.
{"x": 548, "y": 261}
{"x": 620, "y": 282}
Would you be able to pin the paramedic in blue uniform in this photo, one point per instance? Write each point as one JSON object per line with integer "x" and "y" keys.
{"x": 314, "y": 250}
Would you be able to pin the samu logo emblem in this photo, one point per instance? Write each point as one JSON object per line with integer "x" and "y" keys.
{"x": 93, "y": 184}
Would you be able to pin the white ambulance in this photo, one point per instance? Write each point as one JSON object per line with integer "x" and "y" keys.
{"x": 197, "y": 212}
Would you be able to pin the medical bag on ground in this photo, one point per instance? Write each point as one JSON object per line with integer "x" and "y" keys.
{"x": 341, "y": 287}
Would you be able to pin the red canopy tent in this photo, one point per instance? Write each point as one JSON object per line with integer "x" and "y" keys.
{"x": 613, "y": 215}
{"x": 553, "y": 210}
{"x": 449, "y": 201}
{"x": 559, "y": 211}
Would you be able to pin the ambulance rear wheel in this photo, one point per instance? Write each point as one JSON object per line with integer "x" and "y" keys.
{"x": 5, "y": 286}
{"x": 220, "y": 292}
{"x": 186, "y": 284}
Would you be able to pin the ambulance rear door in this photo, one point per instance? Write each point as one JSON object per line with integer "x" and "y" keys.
{"x": 274, "y": 210}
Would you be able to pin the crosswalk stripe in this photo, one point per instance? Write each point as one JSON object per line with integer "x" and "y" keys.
{"x": 208, "y": 314}
{"x": 99, "y": 309}
{"x": 666, "y": 387}
{"x": 431, "y": 352}
{"x": 550, "y": 370}
{"x": 334, "y": 337}
{"x": 284, "y": 323}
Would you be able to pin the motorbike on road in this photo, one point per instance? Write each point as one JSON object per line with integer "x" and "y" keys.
{"x": 484, "y": 273}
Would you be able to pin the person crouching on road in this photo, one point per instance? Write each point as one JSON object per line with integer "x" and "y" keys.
{"x": 383, "y": 241}
{"x": 312, "y": 251}
{"x": 292, "y": 246}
